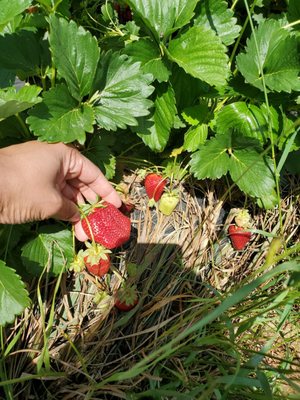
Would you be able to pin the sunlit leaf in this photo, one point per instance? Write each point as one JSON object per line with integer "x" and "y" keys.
{"x": 123, "y": 91}
{"x": 155, "y": 130}
{"x": 195, "y": 137}
{"x": 75, "y": 53}
{"x": 276, "y": 58}
{"x": 211, "y": 160}
{"x": 9, "y": 9}
{"x": 163, "y": 17}
{"x": 249, "y": 120}
{"x": 148, "y": 53}
{"x": 50, "y": 251}
{"x": 13, "y": 101}
{"x": 216, "y": 15}
{"x": 13, "y": 295}
{"x": 200, "y": 52}
{"x": 59, "y": 118}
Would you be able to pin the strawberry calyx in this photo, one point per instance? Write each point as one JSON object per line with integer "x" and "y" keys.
{"x": 78, "y": 265}
{"x": 243, "y": 219}
{"x": 87, "y": 208}
{"x": 127, "y": 295}
{"x": 94, "y": 253}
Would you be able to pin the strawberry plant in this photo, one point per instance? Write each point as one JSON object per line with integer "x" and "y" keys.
{"x": 216, "y": 80}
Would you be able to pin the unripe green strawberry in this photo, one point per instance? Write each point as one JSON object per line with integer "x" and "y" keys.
{"x": 168, "y": 203}
{"x": 105, "y": 224}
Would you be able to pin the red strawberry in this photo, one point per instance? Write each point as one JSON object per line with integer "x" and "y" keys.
{"x": 154, "y": 185}
{"x": 105, "y": 224}
{"x": 238, "y": 236}
{"x": 126, "y": 298}
{"x": 96, "y": 259}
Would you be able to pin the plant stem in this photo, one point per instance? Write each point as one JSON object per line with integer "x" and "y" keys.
{"x": 25, "y": 129}
{"x": 276, "y": 175}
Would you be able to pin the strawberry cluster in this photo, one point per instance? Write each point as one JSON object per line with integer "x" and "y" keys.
{"x": 155, "y": 186}
{"x": 108, "y": 228}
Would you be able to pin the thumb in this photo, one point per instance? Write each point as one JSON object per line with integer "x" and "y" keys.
{"x": 68, "y": 211}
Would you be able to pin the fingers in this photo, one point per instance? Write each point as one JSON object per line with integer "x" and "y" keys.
{"x": 87, "y": 178}
{"x": 79, "y": 232}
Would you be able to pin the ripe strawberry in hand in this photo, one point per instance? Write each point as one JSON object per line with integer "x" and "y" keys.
{"x": 105, "y": 224}
{"x": 126, "y": 298}
{"x": 96, "y": 259}
{"x": 239, "y": 237}
{"x": 154, "y": 185}
{"x": 168, "y": 202}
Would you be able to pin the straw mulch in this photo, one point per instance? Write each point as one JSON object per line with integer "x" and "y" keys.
{"x": 175, "y": 255}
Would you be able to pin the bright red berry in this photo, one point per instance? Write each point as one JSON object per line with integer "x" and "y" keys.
{"x": 100, "y": 268}
{"x": 96, "y": 259}
{"x": 154, "y": 185}
{"x": 126, "y": 298}
{"x": 238, "y": 236}
{"x": 105, "y": 224}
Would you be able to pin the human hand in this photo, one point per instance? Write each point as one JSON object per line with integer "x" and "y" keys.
{"x": 41, "y": 180}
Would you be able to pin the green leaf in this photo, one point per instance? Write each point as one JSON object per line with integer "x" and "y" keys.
{"x": 251, "y": 171}
{"x": 155, "y": 130}
{"x": 51, "y": 248}
{"x": 59, "y": 118}
{"x": 287, "y": 131}
{"x": 276, "y": 60}
{"x": 216, "y": 15}
{"x": 187, "y": 89}
{"x": 123, "y": 91}
{"x": 163, "y": 17}
{"x": 148, "y": 53}
{"x": 13, "y": 102}
{"x": 99, "y": 151}
{"x": 268, "y": 201}
{"x": 9, "y": 9}
{"x": 212, "y": 160}
{"x": 200, "y": 52}
{"x": 248, "y": 120}
{"x": 196, "y": 114}
{"x": 21, "y": 52}
{"x": 75, "y": 53}
{"x": 13, "y": 295}
{"x": 195, "y": 137}
{"x": 241, "y": 156}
